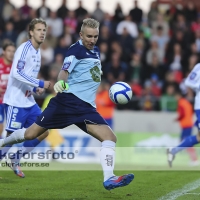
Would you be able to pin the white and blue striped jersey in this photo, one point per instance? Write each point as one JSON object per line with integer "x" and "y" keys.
{"x": 84, "y": 69}
{"x": 193, "y": 81}
{"x": 23, "y": 76}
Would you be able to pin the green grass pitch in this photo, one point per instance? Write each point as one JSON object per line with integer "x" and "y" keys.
{"x": 87, "y": 185}
{"x": 153, "y": 178}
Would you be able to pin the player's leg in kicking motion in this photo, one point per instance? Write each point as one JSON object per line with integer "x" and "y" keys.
{"x": 186, "y": 132}
{"x": 77, "y": 105}
{"x": 98, "y": 129}
{"x": 188, "y": 142}
{"x": 25, "y": 117}
{"x": 107, "y": 156}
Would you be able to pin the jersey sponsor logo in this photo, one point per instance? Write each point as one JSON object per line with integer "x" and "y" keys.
{"x": 36, "y": 69}
{"x": 193, "y": 75}
{"x": 20, "y": 64}
{"x": 15, "y": 124}
{"x": 96, "y": 75}
{"x": 66, "y": 65}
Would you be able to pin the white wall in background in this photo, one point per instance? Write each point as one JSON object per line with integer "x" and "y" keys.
{"x": 158, "y": 122}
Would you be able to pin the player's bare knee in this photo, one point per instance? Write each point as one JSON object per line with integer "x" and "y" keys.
{"x": 46, "y": 133}
{"x": 29, "y": 136}
{"x": 114, "y": 138}
{"x": 111, "y": 137}
{"x": 43, "y": 136}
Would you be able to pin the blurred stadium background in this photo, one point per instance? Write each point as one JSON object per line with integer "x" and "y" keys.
{"x": 152, "y": 45}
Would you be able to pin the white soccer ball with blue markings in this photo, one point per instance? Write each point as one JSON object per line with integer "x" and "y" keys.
{"x": 120, "y": 93}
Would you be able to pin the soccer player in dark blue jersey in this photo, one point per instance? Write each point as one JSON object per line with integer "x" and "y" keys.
{"x": 74, "y": 103}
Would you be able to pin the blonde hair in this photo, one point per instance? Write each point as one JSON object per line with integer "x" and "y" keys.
{"x": 89, "y": 22}
{"x": 33, "y": 23}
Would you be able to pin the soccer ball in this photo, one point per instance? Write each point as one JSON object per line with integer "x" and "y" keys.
{"x": 120, "y": 93}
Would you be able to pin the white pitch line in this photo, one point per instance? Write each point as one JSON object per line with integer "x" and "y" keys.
{"x": 193, "y": 193}
{"x": 180, "y": 192}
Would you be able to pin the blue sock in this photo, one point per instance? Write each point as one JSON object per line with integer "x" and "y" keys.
{"x": 187, "y": 142}
{"x": 4, "y": 151}
{"x": 27, "y": 147}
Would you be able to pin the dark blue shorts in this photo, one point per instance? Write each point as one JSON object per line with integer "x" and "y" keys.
{"x": 66, "y": 109}
{"x": 21, "y": 117}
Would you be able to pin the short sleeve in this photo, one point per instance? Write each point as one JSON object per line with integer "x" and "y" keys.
{"x": 69, "y": 63}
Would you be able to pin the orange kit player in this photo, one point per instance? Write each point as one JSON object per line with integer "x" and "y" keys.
{"x": 105, "y": 106}
{"x": 185, "y": 118}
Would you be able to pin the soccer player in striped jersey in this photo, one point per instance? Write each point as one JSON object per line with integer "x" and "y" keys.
{"x": 192, "y": 81}
{"x": 21, "y": 108}
{"x": 5, "y": 67}
{"x": 185, "y": 119}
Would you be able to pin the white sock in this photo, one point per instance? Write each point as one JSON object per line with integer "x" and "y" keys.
{"x": 16, "y": 137}
{"x": 107, "y": 158}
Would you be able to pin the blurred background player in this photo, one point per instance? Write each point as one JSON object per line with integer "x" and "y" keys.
{"x": 105, "y": 106}
{"x": 185, "y": 119}
{"x": 191, "y": 81}
{"x": 21, "y": 108}
{"x": 5, "y": 67}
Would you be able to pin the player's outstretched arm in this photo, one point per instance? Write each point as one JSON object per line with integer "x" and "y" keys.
{"x": 193, "y": 81}
{"x": 21, "y": 76}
